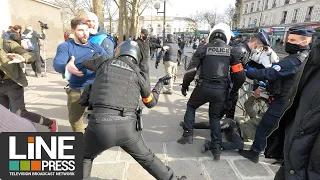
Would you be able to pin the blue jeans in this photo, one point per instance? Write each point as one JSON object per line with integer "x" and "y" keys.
{"x": 154, "y": 51}
{"x": 267, "y": 124}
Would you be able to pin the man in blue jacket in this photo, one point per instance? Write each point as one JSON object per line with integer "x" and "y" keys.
{"x": 69, "y": 57}
{"x": 98, "y": 34}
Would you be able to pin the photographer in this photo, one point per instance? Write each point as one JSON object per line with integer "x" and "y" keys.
{"x": 34, "y": 37}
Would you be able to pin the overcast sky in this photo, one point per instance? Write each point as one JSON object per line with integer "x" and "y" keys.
{"x": 184, "y": 8}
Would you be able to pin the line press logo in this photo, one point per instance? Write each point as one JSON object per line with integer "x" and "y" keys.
{"x": 38, "y": 155}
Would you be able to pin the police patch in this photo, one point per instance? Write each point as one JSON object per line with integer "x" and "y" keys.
{"x": 121, "y": 65}
{"x": 276, "y": 67}
{"x": 218, "y": 51}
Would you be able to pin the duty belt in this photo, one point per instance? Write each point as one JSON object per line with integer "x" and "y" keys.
{"x": 117, "y": 112}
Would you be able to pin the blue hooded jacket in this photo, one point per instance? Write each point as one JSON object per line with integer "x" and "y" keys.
{"x": 104, "y": 40}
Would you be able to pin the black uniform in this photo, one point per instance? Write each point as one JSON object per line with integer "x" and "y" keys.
{"x": 241, "y": 53}
{"x": 216, "y": 61}
{"x": 116, "y": 119}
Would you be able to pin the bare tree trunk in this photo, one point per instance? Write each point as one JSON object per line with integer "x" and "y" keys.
{"x": 134, "y": 10}
{"x": 120, "y": 22}
{"x": 126, "y": 22}
{"x": 98, "y": 10}
{"x": 137, "y": 25}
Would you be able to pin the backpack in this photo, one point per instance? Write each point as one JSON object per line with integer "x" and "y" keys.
{"x": 6, "y": 36}
{"x": 5, "y": 46}
{"x": 97, "y": 39}
{"x": 27, "y": 45}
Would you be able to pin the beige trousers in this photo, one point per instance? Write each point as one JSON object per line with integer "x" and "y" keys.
{"x": 171, "y": 70}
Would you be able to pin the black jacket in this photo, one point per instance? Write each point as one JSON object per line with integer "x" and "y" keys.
{"x": 297, "y": 137}
{"x": 172, "y": 53}
{"x": 119, "y": 84}
{"x": 215, "y": 68}
{"x": 145, "y": 46}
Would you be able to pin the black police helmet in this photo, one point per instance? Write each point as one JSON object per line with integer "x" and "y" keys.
{"x": 239, "y": 52}
{"x": 129, "y": 48}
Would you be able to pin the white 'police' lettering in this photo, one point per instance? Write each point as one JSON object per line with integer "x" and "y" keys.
{"x": 218, "y": 51}
{"x": 121, "y": 64}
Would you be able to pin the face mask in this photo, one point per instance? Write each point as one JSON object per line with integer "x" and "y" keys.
{"x": 256, "y": 50}
{"x": 294, "y": 48}
{"x": 145, "y": 37}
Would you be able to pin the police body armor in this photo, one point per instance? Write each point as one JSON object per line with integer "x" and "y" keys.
{"x": 281, "y": 87}
{"x": 115, "y": 87}
{"x": 216, "y": 64}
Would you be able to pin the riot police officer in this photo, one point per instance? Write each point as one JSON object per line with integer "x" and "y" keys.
{"x": 243, "y": 51}
{"x": 280, "y": 79}
{"x": 115, "y": 119}
{"x": 216, "y": 61}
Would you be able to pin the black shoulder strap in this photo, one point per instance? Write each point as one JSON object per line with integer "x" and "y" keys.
{"x": 5, "y": 46}
{"x": 300, "y": 56}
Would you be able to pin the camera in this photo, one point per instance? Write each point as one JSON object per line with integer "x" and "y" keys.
{"x": 43, "y": 25}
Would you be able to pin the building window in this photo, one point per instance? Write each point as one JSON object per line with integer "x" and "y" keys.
{"x": 284, "y": 17}
{"x": 252, "y": 4}
{"x": 159, "y": 29}
{"x": 286, "y": 1}
{"x": 266, "y": 4}
{"x": 258, "y": 6}
{"x": 265, "y": 20}
{"x": 309, "y": 13}
{"x": 246, "y": 9}
{"x": 249, "y": 21}
{"x": 274, "y": 4}
{"x": 168, "y": 29}
{"x": 271, "y": 19}
{"x": 295, "y": 14}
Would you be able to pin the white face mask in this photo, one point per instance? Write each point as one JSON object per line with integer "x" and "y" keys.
{"x": 256, "y": 50}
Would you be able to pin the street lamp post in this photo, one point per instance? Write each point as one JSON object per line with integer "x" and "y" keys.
{"x": 157, "y": 7}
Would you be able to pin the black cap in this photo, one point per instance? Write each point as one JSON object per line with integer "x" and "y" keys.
{"x": 264, "y": 38}
{"x": 302, "y": 30}
{"x": 144, "y": 31}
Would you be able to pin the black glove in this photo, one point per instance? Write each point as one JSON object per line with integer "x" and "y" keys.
{"x": 157, "y": 65}
{"x": 165, "y": 79}
{"x": 184, "y": 90}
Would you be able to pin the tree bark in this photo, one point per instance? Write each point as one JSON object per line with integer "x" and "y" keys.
{"x": 120, "y": 22}
{"x": 137, "y": 26}
{"x": 98, "y": 10}
{"x": 126, "y": 22}
{"x": 134, "y": 10}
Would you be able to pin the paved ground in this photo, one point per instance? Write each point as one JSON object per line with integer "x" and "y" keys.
{"x": 47, "y": 96}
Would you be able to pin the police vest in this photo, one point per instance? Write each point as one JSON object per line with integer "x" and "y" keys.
{"x": 215, "y": 65}
{"x": 281, "y": 87}
{"x": 115, "y": 86}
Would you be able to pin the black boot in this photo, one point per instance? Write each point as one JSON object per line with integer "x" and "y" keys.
{"x": 251, "y": 155}
{"x": 185, "y": 139}
{"x": 216, "y": 152}
{"x": 206, "y": 146}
